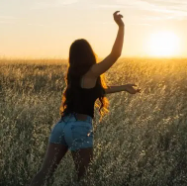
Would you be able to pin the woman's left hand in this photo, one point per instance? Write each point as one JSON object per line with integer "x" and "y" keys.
{"x": 130, "y": 89}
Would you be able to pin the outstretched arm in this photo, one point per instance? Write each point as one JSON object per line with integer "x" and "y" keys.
{"x": 128, "y": 88}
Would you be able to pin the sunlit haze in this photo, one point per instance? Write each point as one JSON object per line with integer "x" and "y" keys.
{"x": 163, "y": 44}
{"x": 46, "y": 28}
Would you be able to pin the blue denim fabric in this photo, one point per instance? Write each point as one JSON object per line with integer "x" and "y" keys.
{"x": 75, "y": 134}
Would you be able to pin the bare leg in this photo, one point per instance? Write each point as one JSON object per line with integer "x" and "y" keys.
{"x": 54, "y": 154}
{"x": 82, "y": 158}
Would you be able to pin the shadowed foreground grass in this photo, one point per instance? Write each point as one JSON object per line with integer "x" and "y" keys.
{"x": 142, "y": 141}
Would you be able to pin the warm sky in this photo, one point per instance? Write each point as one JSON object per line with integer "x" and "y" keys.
{"x": 46, "y": 28}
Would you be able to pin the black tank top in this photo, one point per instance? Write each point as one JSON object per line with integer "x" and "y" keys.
{"x": 84, "y": 99}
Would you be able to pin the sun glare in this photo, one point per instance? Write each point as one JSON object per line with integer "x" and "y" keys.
{"x": 164, "y": 44}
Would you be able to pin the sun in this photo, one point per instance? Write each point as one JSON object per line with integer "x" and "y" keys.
{"x": 164, "y": 44}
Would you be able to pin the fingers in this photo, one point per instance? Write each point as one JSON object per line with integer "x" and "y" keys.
{"x": 139, "y": 90}
{"x": 115, "y": 13}
{"x": 132, "y": 90}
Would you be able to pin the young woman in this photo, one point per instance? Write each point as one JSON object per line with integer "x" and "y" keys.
{"x": 84, "y": 86}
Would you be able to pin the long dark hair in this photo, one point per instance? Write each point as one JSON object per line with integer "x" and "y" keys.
{"x": 81, "y": 59}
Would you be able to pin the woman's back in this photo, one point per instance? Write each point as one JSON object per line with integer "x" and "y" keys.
{"x": 83, "y": 99}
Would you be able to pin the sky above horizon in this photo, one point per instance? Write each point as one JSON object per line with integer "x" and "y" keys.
{"x": 46, "y": 28}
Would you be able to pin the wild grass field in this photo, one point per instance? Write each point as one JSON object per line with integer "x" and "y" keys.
{"x": 142, "y": 141}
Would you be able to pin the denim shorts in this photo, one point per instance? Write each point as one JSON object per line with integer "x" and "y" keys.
{"x": 73, "y": 133}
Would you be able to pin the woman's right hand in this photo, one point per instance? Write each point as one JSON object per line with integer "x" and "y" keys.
{"x": 118, "y": 19}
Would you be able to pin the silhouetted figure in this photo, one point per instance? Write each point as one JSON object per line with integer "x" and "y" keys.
{"x": 84, "y": 86}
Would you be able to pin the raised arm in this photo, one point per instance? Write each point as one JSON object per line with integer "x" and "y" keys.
{"x": 104, "y": 65}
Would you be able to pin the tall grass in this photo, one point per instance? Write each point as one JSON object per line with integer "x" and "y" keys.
{"x": 142, "y": 141}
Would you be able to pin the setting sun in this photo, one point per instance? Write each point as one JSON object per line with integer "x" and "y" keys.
{"x": 164, "y": 44}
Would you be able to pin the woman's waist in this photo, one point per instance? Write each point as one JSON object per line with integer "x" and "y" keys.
{"x": 74, "y": 116}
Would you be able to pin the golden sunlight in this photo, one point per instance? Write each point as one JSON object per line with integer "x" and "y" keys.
{"x": 164, "y": 44}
